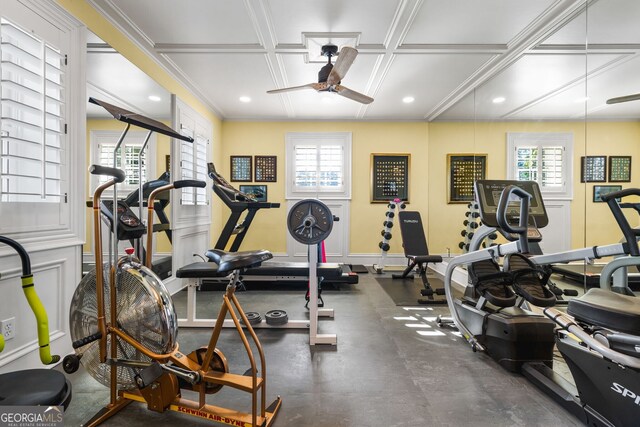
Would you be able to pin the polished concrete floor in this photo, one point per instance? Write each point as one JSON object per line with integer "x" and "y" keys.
{"x": 392, "y": 367}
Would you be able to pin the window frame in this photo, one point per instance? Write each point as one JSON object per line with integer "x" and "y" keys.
{"x": 294, "y": 139}
{"x": 51, "y": 225}
{"x": 541, "y": 140}
{"x": 133, "y": 138}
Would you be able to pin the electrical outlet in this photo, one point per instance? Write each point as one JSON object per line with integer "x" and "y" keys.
{"x": 8, "y": 328}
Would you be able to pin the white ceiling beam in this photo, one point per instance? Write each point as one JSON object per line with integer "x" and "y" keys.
{"x": 550, "y": 21}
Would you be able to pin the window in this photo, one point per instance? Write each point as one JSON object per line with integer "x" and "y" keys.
{"x": 544, "y": 158}
{"x": 318, "y": 163}
{"x": 194, "y": 166}
{"x": 33, "y": 117}
{"x": 102, "y": 146}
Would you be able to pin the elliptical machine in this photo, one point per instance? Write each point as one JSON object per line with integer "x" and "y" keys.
{"x": 488, "y": 315}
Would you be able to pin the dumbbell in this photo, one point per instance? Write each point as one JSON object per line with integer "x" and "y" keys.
{"x": 465, "y": 222}
{"x": 493, "y": 236}
{"x": 470, "y": 235}
{"x": 391, "y": 205}
{"x": 387, "y": 224}
{"x": 384, "y": 246}
{"x": 463, "y": 233}
{"x": 385, "y": 235}
{"x": 402, "y": 206}
{"x": 473, "y": 225}
{"x": 391, "y": 214}
{"x": 461, "y": 245}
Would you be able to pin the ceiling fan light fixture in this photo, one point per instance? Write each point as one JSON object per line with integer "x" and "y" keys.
{"x": 245, "y": 99}
{"x": 408, "y": 99}
{"x": 155, "y": 98}
{"x": 498, "y": 100}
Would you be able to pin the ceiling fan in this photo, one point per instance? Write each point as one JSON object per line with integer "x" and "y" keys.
{"x": 625, "y": 98}
{"x": 331, "y": 75}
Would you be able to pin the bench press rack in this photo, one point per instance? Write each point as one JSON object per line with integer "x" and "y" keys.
{"x": 310, "y": 222}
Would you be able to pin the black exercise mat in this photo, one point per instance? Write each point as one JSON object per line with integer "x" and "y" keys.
{"x": 358, "y": 268}
{"x": 407, "y": 292}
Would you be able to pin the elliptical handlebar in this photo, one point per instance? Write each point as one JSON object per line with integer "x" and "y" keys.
{"x": 501, "y": 215}
{"x": 630, "y": 233}
{"x": 117, "y": 174}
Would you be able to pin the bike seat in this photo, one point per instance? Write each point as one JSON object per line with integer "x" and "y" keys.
{"x": 229, "y": 261}
{"x": 44, "y": 387}
{"x": 607, "y": 309}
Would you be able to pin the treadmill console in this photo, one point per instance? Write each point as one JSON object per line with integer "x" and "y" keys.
{"x": 488, "y": 194}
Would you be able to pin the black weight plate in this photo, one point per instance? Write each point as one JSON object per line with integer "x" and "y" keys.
{"x": 310, "y": 221}
{"x": 276, "y": 317}
{"x": 253, "y": 317}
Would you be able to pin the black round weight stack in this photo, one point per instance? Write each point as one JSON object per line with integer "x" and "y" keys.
{"x": 276, "y": 317}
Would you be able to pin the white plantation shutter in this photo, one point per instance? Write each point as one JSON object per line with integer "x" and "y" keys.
{"x": 32, "y": 121}
{"x": 193, "y": 166}
{"x": 318, "y": 163}
{"x": 544, "y": 158}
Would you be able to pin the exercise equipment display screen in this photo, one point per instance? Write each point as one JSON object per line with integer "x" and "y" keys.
{"x": 488, "y": 193}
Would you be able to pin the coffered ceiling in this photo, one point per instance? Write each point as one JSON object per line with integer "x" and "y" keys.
{"x": 453, "y": 57}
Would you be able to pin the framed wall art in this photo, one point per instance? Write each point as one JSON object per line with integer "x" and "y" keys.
{"x": 389, "y": 177}
{"x": 593, "y": 169}
{"x": 599, "y": 190}
{"x": 463, "y": 170}
{"x": 241, "y": 168}
{"x": 259, "y": 192}
{"x": 265, "y": 168}
{"x": 619, "y": 168}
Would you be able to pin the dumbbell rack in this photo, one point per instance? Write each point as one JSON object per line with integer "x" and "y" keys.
{"x": 472, "y": 223}
{"x": 384, "y": 245}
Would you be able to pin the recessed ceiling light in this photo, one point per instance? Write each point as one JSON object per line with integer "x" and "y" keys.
{"x": 154, "y": 98}
{"x": 408, "y": 99}
{"x": 499, "y": 100}
{"x": 245, "y": 99}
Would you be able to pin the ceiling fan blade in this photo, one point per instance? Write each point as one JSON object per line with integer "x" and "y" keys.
{"x": 345, "y": 59}
{"x": 352, "y": 94}
{"x": 626, "y": 98}
{"x": 290, "y": 89}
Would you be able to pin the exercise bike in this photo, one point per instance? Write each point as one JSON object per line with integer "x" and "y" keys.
{"x": 43, "y": 387}
{"x": 124, "y": 326}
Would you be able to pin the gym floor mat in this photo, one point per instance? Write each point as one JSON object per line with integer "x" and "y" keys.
{"x": 358, "y": 268}
{"x": 405, "y": 292}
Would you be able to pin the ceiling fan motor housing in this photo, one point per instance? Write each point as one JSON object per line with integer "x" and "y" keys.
{"x": 324, "y": 72}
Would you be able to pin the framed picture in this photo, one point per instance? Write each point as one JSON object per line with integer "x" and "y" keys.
{"x": 463, "y": 170}
{"x": 265, "y": 168}
{"x": 257, "y": 191}
{"x": 599, "y": 190}
{"x": 241, "y": 168}
{"x": 593, "y": 169}
{"x": 389, "y": 177}
{"x": 619, "y": 168}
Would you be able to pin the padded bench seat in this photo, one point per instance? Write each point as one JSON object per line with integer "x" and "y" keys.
{"x": 223, "y": 264}
{"x": 607, "y": 309}
{"x": 197, "y": 270}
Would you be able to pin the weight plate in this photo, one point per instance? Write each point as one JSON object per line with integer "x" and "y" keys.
{"x": 310, "y": 221}
{"x": 253, "y": 317}
{"x": 276, "y": 317}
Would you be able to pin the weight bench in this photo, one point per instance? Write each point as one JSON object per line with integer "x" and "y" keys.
{"x": 415, "y": 247}
{"x": 195, "y": 272}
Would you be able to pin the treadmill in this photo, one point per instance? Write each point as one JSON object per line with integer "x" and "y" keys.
{"x": 270, "y": 271}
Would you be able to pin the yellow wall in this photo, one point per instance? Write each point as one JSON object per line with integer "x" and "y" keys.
{"x": 607, "y": 139}
{"x": 269, "y": 229}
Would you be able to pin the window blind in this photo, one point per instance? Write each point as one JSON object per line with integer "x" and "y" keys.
{"x": 32, "y": 121}
{"x": 194, "y": 166}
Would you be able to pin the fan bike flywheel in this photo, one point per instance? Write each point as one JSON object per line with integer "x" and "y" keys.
{"x": 145, "y": 312}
